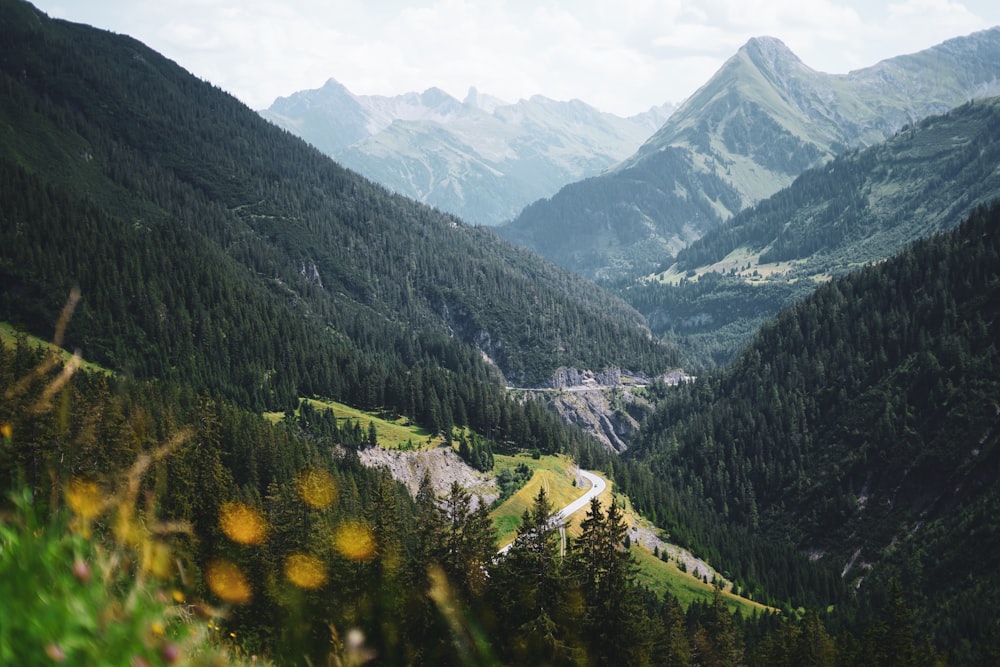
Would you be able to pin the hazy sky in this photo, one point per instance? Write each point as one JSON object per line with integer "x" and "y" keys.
{"x": 621, "y": 56}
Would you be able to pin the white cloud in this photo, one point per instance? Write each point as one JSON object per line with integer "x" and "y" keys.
{"x": 921, "y": 21}
{"x": 619, "y": 55}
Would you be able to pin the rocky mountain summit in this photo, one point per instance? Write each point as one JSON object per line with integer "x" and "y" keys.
{"x": 761, "y": 120}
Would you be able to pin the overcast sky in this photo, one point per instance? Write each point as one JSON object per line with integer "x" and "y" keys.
{"x": 622, "y": 56}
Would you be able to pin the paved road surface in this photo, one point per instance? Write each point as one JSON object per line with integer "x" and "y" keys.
{"x": 597, "y": 486}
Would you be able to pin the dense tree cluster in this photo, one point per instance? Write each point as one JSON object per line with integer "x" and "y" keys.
{"x": 313, "y": 554}
{"x": 859, "y": 425}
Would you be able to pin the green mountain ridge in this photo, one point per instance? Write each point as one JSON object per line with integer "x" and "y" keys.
{"x": 155, "y": 159}
{"x": 860, "y": 425}
{"x": 762, "y": 119}
{"x": 860, "y": 208}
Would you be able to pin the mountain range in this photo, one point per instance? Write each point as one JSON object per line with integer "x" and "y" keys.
{"x": 843, "y": 468}
{"x": 481, "y": 158}
{"x": 761, "y": 120}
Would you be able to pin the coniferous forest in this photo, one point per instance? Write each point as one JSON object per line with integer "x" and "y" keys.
{"x": 841, "y": 470}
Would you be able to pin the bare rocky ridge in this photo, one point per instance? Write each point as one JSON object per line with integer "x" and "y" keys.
{"x": 443, "y": 464}
{"x": 595, "y": 412}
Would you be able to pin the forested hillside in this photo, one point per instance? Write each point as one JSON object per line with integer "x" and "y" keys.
{"x": 860, "y": 208}
{"x": 861, "y": 427}
{"x": 213, "y": 246}
{"x": 165, "y": 527}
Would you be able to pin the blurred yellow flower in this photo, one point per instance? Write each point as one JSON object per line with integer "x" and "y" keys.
{"x": 85, "y": 498}
{"x": 316, "y": 488}
{"x": 157, "y": 558}
{"x": 227, "y": 581}
{"x": 305, "y": 571}
{"x": 242, "y": 523}
{"x": 6, "y": 430}
{"x": 355, "y": 541}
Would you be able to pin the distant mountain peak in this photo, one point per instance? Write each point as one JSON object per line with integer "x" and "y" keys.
{"x": 487, "y": 103}
{"x": 481, "y": 158}
{"x": 333, "y": 84}
{"x": 761, "y": 120}
{"x": 768, "y": 44}
{"x": 434, "y": 97}
{"x": 770, "y": 53}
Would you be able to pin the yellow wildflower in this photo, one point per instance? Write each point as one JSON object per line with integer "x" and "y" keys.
{"x": 242, "y": 523}
{"x": 355, "y": 541}
{"x": 85, "y": 498}
{"x": 228, "y": 582}
{"x": 316, "y": 488}
{"x": 305, "y": 571}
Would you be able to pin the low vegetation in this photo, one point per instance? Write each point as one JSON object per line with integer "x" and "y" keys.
{"x": 392, "y": 432}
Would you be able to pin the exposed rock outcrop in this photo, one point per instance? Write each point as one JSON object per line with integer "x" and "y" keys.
{"x": 604, "y": 404}
{"x": 443, "y": 465}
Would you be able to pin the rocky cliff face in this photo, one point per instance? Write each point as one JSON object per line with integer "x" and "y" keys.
{"x": 604, "y": 413}
{"x": 606, "y": 404}
{"x": 442, "y": 464}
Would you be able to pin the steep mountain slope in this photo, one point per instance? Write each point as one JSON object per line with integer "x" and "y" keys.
{"x": 211, "y": 245}
{"x": 862, "y": 207}
{"x": 861, "y": 425}
{"x": 481, "y": 159}
{"x": 760, "y": 121}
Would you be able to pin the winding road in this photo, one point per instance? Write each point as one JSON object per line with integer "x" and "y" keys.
{"x": 597, "y": 486}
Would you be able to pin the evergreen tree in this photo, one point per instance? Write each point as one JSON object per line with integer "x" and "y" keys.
{"x": 469, "y": 541}
{"x": 605, "y": 569}
{"x": 529, "y": 587}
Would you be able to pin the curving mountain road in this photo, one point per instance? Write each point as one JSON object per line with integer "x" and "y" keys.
{"x": 597, "y": 486}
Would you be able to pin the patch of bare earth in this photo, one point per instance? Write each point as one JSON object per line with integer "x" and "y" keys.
{"x": 442, "y": 464}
